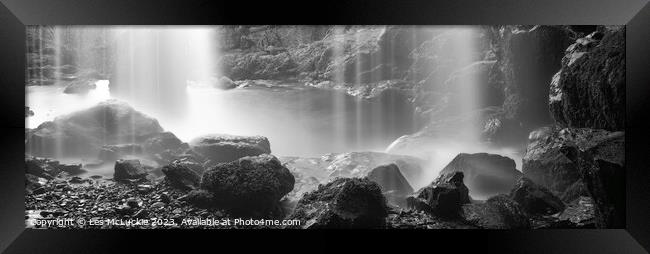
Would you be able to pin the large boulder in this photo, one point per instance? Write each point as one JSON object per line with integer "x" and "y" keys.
{"x": 589, "y": 90}
{"x": 83, "y": 133}
{"x": 548, "y": 163}
{"x": 498, "y": 212}
{"x": 393, "y": 184}
{"x": 535, "y": 199}
{"x": 218, "y": 148}
{"x": 129, "y": 170}
{"x": 251, "y": 186}
{"x": 570, "y": 159}
{"x": 485, "y": 174}
{"x": 343, "y": 203}
{"x": 444, "y": 197}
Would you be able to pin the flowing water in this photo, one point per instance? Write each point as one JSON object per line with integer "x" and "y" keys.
{"x": 153, "y": 72}
{"x": 298, "y": 120}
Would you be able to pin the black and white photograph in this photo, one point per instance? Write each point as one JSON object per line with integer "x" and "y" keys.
{"x": 325, "y": 126}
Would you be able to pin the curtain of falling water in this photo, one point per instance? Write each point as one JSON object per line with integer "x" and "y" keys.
{"x": 339, "y": 98}
{"x": 154, "y": 64}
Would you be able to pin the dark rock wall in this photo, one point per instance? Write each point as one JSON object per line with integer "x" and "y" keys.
{"x": 590, "y": 88}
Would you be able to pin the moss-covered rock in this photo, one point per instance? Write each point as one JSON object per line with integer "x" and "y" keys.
{"x": 249, "y": 186}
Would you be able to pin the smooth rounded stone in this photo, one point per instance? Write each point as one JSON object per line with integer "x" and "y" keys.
{"x": 180, "y": 175}
{"x": 158, "y": 205}
{"x": 159, "y": 142}
{"x": 343, "y": 203}
{"x": 393, "y": 184}
{"x": 589, "y": 90}
{"x": 498, "y": 212}
{"x": 83, "y": 133}
{"x": 444, "y": 197}
{"x": 251, "y": 185}
{"x": 224, "y": 83}
{"x": 485, "y": 174}
{"x": 80, "y": 87}
{"x": 535, "y": 199}
{"x": 217, "y": 148}
{"x": 128, "y": 170}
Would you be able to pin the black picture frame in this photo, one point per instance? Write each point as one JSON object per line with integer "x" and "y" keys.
{"x": 16, "y": 14}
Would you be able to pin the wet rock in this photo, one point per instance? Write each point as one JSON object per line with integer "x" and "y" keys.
{"x": 605, "y": 180}
{"x": 485, "y": 174}
{"x": 444, "y": 197}
{"x": 310, "y": 172}
{"x": 34, "y": 183}
{"x": 165, "y": 198}
{"x": 343, "y": 203}
{"x": 589, "y": 90}
{"x": 128, "y": 170}
{"x": 535, "y": 199}
{"x": 28, "y": 112}
{"x": 77, "y": 180}
{"x": 360, "y": 164}
{"x": 80, "y": 87}
{"x": 250, "y": 185}
{"x": 141, "y": 214}
{"x": 178, "y": 174}
{"x": 39, "y": 167}
{"x": 226, "y": 148}
{"x": 144, "y": 188}
{"x": 224, "y": 83}
{"x": 47, "y": 168}
{"x": 191, "y": 163}
{"x": 200, "y": 198}
{"x": 548, "y": 163}
{"x": 562, "y": 158}
{"x": 259, "y": 65}
{"x": 133, "y": 202}
{"x": 160, "y": 142}
{"x": 498, "y": 212}
{"x": 158, "y": 205}
{"x": 84, "y": 132}
{"x": 580, "y": 212}
{"x": 393, "y": 184}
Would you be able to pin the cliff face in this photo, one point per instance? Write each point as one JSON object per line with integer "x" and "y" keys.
{"x": 589, "y": 90}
